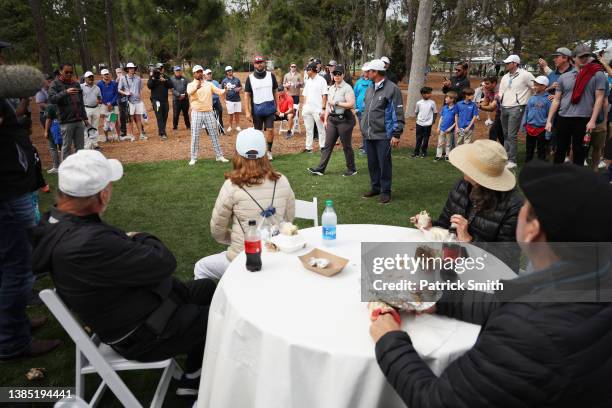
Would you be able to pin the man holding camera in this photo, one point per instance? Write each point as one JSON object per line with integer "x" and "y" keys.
{"x": 159, "y": 85}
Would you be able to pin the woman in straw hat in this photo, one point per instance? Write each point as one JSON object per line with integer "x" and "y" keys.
{"x": 484, "y": 204}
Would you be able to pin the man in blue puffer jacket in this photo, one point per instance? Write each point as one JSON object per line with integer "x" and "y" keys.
{"x": 382, "y": 123}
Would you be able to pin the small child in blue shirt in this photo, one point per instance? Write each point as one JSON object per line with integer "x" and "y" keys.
{"x": 446, "y": 125}
{"x": 534, "y": 120}
{"x": 467, "y": 114}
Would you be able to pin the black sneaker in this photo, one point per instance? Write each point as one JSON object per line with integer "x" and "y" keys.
{"x": 413, "y": 155}
{"x": 446, "y": 158}
{"x": 307, "y": 151}
{"x": 315, "y": 171}
{"x": 437, "y": 158}
{"x": 164, "y": 137}
{"x": 349, "y": 173}
{"x": 385, "y": 198}
{"x": 289, "y": 135}
{"x": 188, "y": 386}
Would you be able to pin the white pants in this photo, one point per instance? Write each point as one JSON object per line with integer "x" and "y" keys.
{"x": 93, "y": 116}
{"x": 312, "y": 118}
{"x": 211, "y": 267}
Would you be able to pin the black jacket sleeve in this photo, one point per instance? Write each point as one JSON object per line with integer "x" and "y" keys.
{"x": 57, "y": 94}
{"x": 467, "y": 305}
{"x": 512, "y": 364}
{"x": 443, "y": 220}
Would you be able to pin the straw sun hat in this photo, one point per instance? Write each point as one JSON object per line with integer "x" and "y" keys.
{"x": 485, "y": 162}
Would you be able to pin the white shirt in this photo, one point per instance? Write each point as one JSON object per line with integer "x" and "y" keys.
{"x": 515, "y": 89}
{"x": 425, "y": 110}
{"x": 91, "y": 94}
{"x": 314, "y": 89}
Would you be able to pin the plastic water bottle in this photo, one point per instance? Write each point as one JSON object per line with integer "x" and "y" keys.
{"x": 329, "y": 221}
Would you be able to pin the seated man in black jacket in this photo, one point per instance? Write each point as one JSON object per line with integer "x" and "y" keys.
{"x": 534, "y": 349}
{"x": 119, "y": 284}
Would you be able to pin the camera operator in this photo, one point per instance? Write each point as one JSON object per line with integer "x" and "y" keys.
{"x": 159, "y": 85}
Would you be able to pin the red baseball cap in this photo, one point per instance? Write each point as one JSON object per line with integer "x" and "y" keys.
{"x": 259, "y": 58}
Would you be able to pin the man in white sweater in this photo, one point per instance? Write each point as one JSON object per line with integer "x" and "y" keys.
{"x": 515, "y": 89}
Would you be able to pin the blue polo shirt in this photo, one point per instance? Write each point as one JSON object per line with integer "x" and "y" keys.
{"x": 447, "y": 117}
{"x": 214, "y": 95}
{"x": 110, "y": 92}
{"x": 230, "y": 94}
{"x": 466, "y": 111}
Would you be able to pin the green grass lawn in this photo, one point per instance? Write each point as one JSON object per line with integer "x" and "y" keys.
{"x": 174, "y": 202}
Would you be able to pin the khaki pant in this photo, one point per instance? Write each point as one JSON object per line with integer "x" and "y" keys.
{"x": 445, "y": 139}
{"x": 464, "y": 136}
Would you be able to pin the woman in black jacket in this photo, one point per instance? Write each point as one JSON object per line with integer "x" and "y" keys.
{"x": 484, "y": 204}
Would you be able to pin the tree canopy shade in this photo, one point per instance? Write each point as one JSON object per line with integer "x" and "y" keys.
{"x": 221, "y": 32}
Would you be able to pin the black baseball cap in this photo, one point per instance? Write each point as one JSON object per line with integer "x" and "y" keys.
{"x": 280, "y": 88}
{"x": 571, "y": 202}
{"x": 312, "y": 66}
{"x": 338, "y": 68}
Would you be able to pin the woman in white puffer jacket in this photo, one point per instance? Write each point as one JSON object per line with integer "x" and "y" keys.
{"x": 251, "y": 186}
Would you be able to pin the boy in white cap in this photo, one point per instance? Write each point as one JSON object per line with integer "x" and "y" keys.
{"x": 200, "y": 93}
{"x": 514, "y": 92}
{"x": 534, "y": 120}
{"x": 120, "y": 284}
{"x": 232, "y": 87}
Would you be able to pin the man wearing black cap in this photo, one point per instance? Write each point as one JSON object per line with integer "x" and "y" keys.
{"x": 535, "y": 348}
{"x": 578, "y": 100}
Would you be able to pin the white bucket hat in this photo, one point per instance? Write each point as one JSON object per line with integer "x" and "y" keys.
{"x": 130, "y": 65}
{"x": 484, "y": 161}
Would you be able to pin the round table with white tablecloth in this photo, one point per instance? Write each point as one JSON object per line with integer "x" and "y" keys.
{"x": 285, "y": 337}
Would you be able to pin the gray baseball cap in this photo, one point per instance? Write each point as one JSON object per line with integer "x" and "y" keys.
{"x": 562, "y": 51}
{"x": 582, "y": 50}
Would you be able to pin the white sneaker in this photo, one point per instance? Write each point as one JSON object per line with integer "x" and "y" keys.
{"x": 601, "y": 165}
{"x": 128, "y": 137}
{"x": 511, "y": 165}
{"x": 229, "y": 130}
{"x": 238, "y": 129}
{"x": 192, "y": 162}
{"x": 52, "y": 170}
{"x": 221, "y": 159}
{"x": 143, "y": 137}
{"x": 488, "y": 122}
{"x": 567, "y": 160}
{"x": 269, "y": 154}
{"x": 586, "y": 164}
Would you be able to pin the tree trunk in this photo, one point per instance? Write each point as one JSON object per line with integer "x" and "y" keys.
{"x": 381, "y": 18}
{"x": 82, "y": 37}
{"x": 419, "y": 54}
{"x": 111, "y": 35}
{"x": 411, "y": 10}
{"x": 41, "y": 37}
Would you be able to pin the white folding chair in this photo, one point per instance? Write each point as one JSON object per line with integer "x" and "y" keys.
{"x": 296, "y": 118}
{"x": 93, "y": 356}
{"x": 307, "y": 210}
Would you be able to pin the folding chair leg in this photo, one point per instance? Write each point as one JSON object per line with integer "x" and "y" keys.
{"x": 97, "y": 395}
{"x": 79, "y": 383}
{"x": 162, "y": 387}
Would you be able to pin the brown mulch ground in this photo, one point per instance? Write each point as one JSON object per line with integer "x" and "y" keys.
{"x": 178, "y": 144}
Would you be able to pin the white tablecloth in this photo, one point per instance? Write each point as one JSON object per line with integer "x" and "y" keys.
{"x": 289, "y": 338}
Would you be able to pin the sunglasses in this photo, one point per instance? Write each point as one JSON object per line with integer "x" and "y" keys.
{"x": 293, "y": 66}
{"x": 68, "y": 72}
{"x": 258, "y": 62}
{"x": 337, "y": 73}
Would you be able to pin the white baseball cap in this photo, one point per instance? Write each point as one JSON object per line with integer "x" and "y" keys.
{"x": 542, "y": 80}
{"x": 87, "y": 172}
{"x": 251, "y": 143}
{"x": 385, "y": 60}
{"x": 88, "y": 74}
{"x": 365, "y": 67}
{"x": 229, "y": 68}
{"x": 197, "y": 68}
{"x": 207, "y": 71}
{"x": 105, "y": 71}
{"x": 376, "y": 65}
{"x": 512, "y": 58}
{"x": 130, "y": 65}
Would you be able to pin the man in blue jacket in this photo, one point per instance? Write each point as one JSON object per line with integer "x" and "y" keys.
{"x": 360, "y": 89}
{"x": 382, "y": 124}
{"x": 110, "y": 96}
